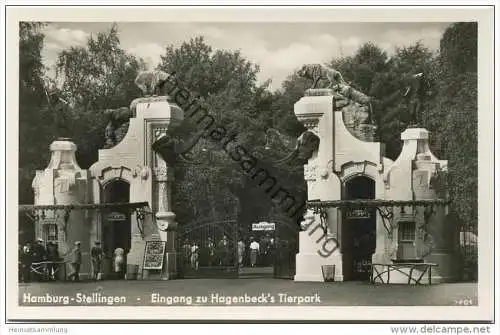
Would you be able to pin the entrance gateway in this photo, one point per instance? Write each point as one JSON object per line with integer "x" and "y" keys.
{"x": 359, "y": 229}
{"x": 223, "y": 249}
{"x": 345, "y": 164}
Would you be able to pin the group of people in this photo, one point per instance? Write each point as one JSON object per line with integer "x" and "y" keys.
{"x": 38, "y": 261}
{"x": 97, "y": 256}
{"x": 43, "y": 262}
{"x": 259, "y": 251}
{"x": 210, "y": 253}
{"x": 222, "y": 253}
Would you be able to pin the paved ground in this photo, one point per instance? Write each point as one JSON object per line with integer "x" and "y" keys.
{"x": 230, "y": 291}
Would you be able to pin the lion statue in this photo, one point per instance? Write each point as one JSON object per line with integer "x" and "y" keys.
{"x": 151, "y": 82}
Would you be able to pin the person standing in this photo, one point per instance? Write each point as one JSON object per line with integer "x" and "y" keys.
{"x": 211, "y": 251}
{"x": 186, "y": 253}
{"x": 96, "y": 254}
{"x": 26, "y": 260}
{"x": 119, "y": 263}
{"x": 254, "y": 252}
{"x": 224, "y": 251}
{"x": 195, "y": 255}
{"x": 265, "y": 243}
{"x": 75, "y": 262}
{"x": 241, "y": 252}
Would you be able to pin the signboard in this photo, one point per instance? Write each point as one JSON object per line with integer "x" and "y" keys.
{"x": 263, "y": 226}
{"x": 153, "y": 255}
{"x": 116, "y": 216}
{"x": 358, "y": 213}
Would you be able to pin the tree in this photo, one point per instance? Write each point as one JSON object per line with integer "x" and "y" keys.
{"x": 226, "y": 83}
{"x": 95, "y": 77}
{"x": 33, "y": 113}
{"x": 371, "y": 71}
{"x": 457, "y": 102}
{"x": 458, "y": 46}
{"x": 363, "y": 67}
{"x": 396, "y": 117}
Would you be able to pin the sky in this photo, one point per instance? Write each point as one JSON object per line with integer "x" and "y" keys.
{"x": 278, "y": 48}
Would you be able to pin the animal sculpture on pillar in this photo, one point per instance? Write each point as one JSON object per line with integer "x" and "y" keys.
{"x": 319, "y": 73}
{"x": 117, "y": 126}
{"x": 412, "y": 88}
{"x": 151, "y": 82}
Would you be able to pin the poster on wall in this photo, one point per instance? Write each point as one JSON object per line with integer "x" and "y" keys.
{"x": 153, "y": 255}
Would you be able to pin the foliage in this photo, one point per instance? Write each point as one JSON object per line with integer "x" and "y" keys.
{"x": 101, "y": 75}
{"x": 33, "y": 113}
{"x": 459, "y": 47}
{"x": 457, "y": 106}
{"x": 373, "y": 72}
{"x": 395, "y": 118}
{"x": 95, "y": 77}
{"x": 92, "y": 78}
{"x": 226, "y": 83}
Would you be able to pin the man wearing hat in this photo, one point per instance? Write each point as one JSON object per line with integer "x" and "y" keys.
{"x": 75, "y": 262}
{"x": 96, "y": 255}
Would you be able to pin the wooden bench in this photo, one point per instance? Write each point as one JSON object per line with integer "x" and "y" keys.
{"x": 397, "y": 267}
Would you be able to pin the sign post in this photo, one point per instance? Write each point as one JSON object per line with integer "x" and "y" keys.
{"x": 154, "y": 255}
{"x": 263, "y": 226}
{"x": 116, "y": 217}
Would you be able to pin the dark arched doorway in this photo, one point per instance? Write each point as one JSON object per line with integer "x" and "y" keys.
{"x": 358, "y": 230}
{"x": 116, "y": 229}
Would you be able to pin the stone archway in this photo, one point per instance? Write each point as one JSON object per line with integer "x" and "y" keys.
{"x": 116, "y": 224}
{"x": 358, "y": 228}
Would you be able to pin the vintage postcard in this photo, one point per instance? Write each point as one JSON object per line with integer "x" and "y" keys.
{"x": 255, "y": 163}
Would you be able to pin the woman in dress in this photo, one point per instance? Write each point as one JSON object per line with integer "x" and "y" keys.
{"x": 254, "y": 252}
{"x": 119, "y": 262}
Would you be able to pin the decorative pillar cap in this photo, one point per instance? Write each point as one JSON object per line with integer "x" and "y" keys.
{"x": 166, "y": 221}
{"x": 415, "y": 134}
{"x": 63, "y": 144}
{"x": 63, "y": 155}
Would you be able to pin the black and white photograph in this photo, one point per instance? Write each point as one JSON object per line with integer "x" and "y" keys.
{"x": 205, "y": 160}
